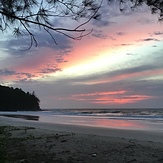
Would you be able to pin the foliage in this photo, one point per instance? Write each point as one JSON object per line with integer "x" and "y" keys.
{"x": 15, "y": 99}
{"x": 156, "y": 6}
{"x": 21, "y": 15}
{"x": 24, "y": 15}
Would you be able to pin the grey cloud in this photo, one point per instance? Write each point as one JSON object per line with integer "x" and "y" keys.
{"x": 121, "y": 71}
{"x": 62, "y": 91}
{"x": 18, "y": 46}
{"x": 107, "y": 13}
{"x": 134, "y": 70}
{"x": 49, "y": 70}
{"x": 134, "y": 90}
{"x": 60, "y": 59}
{"x": 102, "y": 23}
{"x": 158, "y": 33}
{"x": 7, "y": 72}
{"x": 18, "y": 75}
{"x": 115, "y": 73}
{"x": 144, "y": 21}
{"x": 150, "y": 39}
{"x": 99, "y": 34}
{"x": 44, "y": 40}
{"x": 151, "y": 88}
{"x": 121, "y": 33}
{"x": 66, "y": 90}
{"x": 28, "y": 75}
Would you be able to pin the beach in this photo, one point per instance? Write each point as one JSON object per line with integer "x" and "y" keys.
{"x": 31, "y": 141}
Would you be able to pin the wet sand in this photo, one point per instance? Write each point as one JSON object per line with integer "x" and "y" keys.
{"x": 31, "y": 141}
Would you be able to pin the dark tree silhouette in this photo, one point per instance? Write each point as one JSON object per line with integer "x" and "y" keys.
{"x": 156, "y": 6}
{"x": 21, "y": 15}
{"x": 17, "y": 100}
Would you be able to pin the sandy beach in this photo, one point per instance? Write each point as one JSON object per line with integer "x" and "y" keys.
{"x": 29, "y": 141}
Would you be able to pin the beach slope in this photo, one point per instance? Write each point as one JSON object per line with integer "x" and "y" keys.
{"x": 21, "y": 141}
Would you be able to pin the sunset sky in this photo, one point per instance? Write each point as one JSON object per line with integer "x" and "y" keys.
{"x": 118, "y": 65}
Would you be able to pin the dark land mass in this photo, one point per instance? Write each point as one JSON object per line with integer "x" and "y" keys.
{"x": 15, "y": 99}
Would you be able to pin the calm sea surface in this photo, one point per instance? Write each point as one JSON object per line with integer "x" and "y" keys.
{"x": 141, "y": 119}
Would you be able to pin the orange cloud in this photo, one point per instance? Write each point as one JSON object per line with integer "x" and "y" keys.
{"x": 121, "y": 100}
{"x": 104, "y": 98}
{"x": 29, "y": 67}
{"x": 100, "y": 93}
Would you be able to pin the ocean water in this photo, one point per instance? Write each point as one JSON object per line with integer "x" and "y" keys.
{"x": 128, "y": 114}
{"x": 136, "y": 119}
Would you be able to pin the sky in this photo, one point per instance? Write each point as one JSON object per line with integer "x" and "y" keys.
{"x": 118, "y": 65}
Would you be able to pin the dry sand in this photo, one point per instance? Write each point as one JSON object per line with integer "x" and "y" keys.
{"x": 54, "y": 143}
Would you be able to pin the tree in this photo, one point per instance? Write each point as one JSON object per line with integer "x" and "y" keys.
{"x": 22, "y": 15}
{"x": 17, "y": 100}
{"x": 156, "y": 6}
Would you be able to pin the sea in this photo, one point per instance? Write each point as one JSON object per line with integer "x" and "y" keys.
{"x": 136, "y": 119}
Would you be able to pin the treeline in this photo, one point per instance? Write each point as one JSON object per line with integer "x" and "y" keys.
{"x": 15, "y": 99}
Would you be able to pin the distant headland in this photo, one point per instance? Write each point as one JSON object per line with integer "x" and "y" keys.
{"x": 15, "y": 99}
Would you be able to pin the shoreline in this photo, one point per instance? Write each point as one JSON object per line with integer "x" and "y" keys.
{"x": 30, "y": 141}
{"x": 147, "y": 135}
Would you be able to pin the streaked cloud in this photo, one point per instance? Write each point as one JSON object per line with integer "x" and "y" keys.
{"x": 6, "y": 72}
{"x": 120, "y": 33}
{"x": 150, "y": 39}
{"x": 118, "y": 65}
{"x": 99, "y": 34}
{"x": 18, "y": 46}
{"x": 158, "y": 33}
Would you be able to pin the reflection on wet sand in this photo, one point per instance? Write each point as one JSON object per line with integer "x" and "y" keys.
{"x": 119, "y": 123}
{"x": 26, "y": 117}
{"x": 95, "y": 122}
